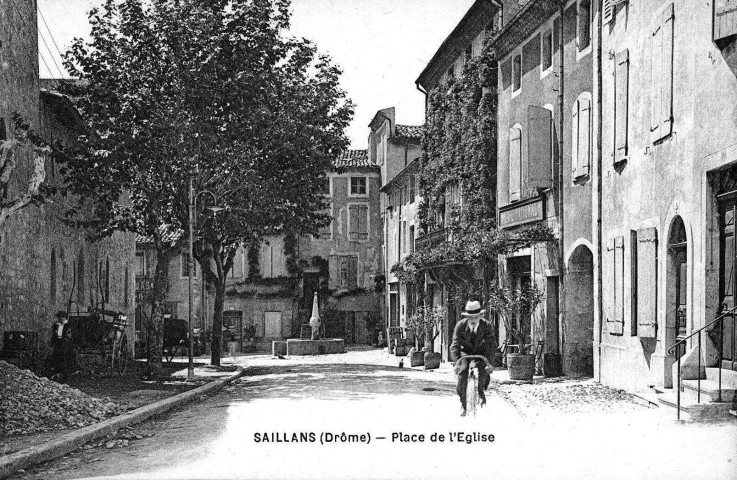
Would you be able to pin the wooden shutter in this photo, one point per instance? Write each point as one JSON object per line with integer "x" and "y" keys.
{"x": 656, "y": 90}
{"x": 353, "y": 222}
{"x": 539, "y": 144}
{"x": 515, "y": 161}
{"x": 621, "y": 93}
{"x": 352, "y": 263}
{"x": 615, "y": 257}
{"x": 647, "y": 282}
{"x": 608, "y": 11}
{"x": 611, "y": 290}
{"x": 666, "y": 100}
{"x": 584, "y": 137}
{"x": 725, "y": 18}
{"x": 362, "y": 212}
{"x": 574, "y": 139}
{"x": 237, "y": 269}
{"x": 334, "y": 272}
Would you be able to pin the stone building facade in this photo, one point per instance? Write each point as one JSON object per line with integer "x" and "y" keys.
{"x": 532, "y": 171}
{"x": 46, "y": 266}
{"x": 668, "y": 156}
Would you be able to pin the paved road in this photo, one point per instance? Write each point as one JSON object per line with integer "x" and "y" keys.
{"x": 217, "y": 438}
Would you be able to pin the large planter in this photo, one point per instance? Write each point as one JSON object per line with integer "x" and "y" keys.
{"x": 432, "y": 360}
{"x": 417, "y": 359}
{"x": 521, "y": 366}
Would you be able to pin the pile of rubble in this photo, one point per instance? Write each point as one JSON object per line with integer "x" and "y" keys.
{"x": 571, "y": 397}
{"x": 30, "y": 404}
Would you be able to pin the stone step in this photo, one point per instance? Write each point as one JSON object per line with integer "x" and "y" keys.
{"x": 694, "y": 410}
{"x": 729, "y": 377}
{"x": 710, "y": 390}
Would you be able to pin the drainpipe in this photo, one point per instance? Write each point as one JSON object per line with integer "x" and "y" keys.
{"x": 599, "y": 163}
{"x": 561, "y": 134}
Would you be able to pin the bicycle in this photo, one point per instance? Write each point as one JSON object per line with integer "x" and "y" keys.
{"x": 472, "y": 387}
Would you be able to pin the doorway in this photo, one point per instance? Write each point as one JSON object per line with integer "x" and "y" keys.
{"x": 578, "y": 349}
{"x": 727, "y": 287}
{"x": 272, "y": 324}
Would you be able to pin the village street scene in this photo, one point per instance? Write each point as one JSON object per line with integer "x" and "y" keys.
{"x": 254, "y": 239}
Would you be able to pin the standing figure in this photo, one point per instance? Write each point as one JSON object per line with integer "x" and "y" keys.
{"x": 472, "y": 336}
{"x": 63, "y": 361}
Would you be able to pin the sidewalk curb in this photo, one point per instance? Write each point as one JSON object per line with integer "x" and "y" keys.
{"x": 50, "y": 450}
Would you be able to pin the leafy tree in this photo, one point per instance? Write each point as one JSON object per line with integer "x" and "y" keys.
{"x": 212, "y": 91}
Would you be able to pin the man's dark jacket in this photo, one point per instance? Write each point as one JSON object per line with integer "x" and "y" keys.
{"x": 464, "y": 342}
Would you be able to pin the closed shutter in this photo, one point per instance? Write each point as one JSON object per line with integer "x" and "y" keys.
{"x": 583, "y": 152}
{"x": 725, "y": 18}
{"x": 615, "y": 314}
{"x": 611, "y": 290}
{"x": 621, "y": 93}
{"x": 666, "y": 105}
{"x": 656, "y": 91}
{"x": 647, "y": 282}
{"x": 362, "y": 222}
{"x": 661, "y": 81}
{"x": 334, "y": 272}
{"x": 353, "y": 222}
{"x": 574, "y": 139}
{"x": 352, "y": 267}
{"x": 539, "y": 144}
{"x": 515, "y": 160}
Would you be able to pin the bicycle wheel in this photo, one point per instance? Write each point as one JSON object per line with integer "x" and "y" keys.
{"x": 472, "y": 393}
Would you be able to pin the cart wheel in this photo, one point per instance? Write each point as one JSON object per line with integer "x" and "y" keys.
{"x": 120, "y": 355}
{"x": 168, "y": 354}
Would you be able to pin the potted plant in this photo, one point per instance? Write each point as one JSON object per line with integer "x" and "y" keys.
{"x": 426, "y": 324}
{"x": 515, "y": 307}
{"x": 416, "y": 328}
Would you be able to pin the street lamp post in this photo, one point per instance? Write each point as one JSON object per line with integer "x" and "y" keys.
{"x": 192, "y": 209}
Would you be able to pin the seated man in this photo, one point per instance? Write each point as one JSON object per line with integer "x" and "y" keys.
{"x": 472, "y": 336}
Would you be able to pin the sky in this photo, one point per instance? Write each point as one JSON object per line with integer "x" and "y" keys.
{"x": 381, "y": 45}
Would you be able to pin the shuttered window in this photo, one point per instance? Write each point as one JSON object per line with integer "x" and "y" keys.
{"x": 358, "y": 222}
{"x": 610, "y": 9}
{"x": 515, "y": 163}
{"x": 615, "y": 262}
{"x": 343, "y": 272}
{"x": 584, "y": 24}
{"x": 517, "y": 73}
{"x": 581, "y": 136}
{"x": 661, "y": 79}
{"x": 647, "y": 282}
{"x": 621, "y": 105}
{"x": 725, "y": 19}
{"x": 237, "y": 270}
{"x": 539, "y": 147}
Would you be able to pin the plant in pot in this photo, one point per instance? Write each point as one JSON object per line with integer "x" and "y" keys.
{"x": 515, "y": 307}
{"x": 426, "y": 324}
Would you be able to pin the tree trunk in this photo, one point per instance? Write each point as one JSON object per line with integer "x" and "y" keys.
{"x": 217, "y": 323}
{"x": 155, "y": 324}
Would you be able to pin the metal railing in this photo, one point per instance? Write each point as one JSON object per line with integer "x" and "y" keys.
{"x": 432, "y": 239}
{"x": 682, "y": 341}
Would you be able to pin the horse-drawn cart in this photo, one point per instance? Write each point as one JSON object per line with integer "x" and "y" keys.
{"x": 102, "y": 333}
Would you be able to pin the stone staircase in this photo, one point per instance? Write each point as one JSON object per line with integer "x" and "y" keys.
{"x": 707, "y": 408}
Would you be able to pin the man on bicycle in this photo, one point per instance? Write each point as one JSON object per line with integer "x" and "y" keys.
{"x": 472, "y": 336}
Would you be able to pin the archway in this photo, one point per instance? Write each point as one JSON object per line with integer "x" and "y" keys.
{"x": 578, "y": 336}
{"x": 676, "y": 288}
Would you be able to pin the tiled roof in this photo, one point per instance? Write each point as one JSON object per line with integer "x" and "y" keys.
{"x": 169, "y": 236}
{"x": 353, "y": 159}
{"x": 409, "y": 131}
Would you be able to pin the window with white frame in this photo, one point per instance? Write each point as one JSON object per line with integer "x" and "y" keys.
{"x": 546, "y": 49}
{"x": 359, "y": 186}
{"x": 517, "y": 72}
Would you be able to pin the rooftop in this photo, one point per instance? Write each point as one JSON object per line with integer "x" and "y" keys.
{"x": 412, "y": 132}
{"x": 354, "y": 159}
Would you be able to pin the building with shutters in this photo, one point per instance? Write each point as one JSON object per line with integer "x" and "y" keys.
{"x": 446, "y": 279}
{"x": 271, "y": 285}
{"x": 396, "y": 149}
{"x": 668, "y": 189}
{"x": 545, "y": 162}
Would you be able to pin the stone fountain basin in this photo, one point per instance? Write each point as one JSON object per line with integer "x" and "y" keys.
{"x": 296, "y": 346}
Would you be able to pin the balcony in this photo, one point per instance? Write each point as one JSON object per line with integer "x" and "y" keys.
{"x": 432, "y": 239}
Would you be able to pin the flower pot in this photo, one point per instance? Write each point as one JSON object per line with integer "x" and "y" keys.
{"x": 432, "y": 360}
{"x": 417, "y": 359}
{"x": 521, "y": 366}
